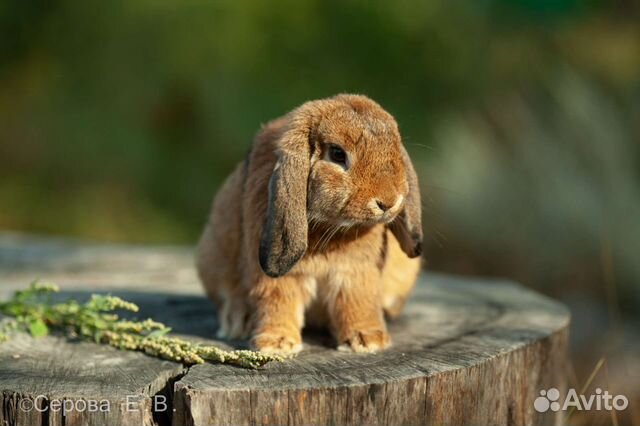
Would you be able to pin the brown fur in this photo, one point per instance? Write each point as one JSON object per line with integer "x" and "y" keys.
{"x": 294, "y": 235}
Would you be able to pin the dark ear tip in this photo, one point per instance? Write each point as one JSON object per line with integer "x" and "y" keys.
{"x": 271, "y": 272}
{"x": 269, "y": 268}
{"x": 417, "y": 250}
{"x": 277, "y": 268}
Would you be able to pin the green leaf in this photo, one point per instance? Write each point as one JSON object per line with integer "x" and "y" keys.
{"x": 38, "y": 328}
{"x": 158, "y": 333}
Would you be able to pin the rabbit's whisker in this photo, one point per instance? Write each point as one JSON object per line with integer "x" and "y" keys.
{"x": 317, "y": 244}
{"x": 330, "y": 235}
{"x": 335, "y": 231}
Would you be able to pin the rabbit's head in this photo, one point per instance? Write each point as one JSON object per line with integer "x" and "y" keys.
{"x": 340, "y": 162}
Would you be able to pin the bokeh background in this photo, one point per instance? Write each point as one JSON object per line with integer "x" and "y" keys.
{"x": 120, "y": 119}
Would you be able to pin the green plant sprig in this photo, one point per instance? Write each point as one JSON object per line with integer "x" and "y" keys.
{"x": 32, "y": 310}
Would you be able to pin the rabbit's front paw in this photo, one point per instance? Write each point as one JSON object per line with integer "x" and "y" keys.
{"x": 279, "y": 344}
{"x": 365, "y": 341}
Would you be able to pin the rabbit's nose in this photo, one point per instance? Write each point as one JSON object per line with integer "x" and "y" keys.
{"x": 385, "y": 206}
{"x": 382, "y": 206}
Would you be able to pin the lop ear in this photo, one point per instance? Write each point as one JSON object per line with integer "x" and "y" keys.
{"x": 407, "y": 227}
{"x": 285, "y": 231}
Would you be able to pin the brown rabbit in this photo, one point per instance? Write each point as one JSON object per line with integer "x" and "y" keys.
{"x": 323, "y": 220}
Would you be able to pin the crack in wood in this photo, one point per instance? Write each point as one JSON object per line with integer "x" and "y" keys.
{"x": 466, "y": 351}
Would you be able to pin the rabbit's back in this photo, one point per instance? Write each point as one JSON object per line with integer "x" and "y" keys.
{"x": 219, "y": 250}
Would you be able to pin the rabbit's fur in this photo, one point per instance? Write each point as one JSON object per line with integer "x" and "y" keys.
{"x": 293, "y": 234}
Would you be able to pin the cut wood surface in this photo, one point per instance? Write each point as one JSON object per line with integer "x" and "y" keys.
{"x": 466, "y": 351}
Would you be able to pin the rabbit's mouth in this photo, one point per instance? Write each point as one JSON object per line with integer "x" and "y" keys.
{"x": 357, "y": 215}
{"x": 384, "y": 219}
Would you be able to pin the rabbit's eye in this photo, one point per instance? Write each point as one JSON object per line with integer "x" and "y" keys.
{"x": 337, "y": 155}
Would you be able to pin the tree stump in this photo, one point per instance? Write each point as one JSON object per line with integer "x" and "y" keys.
{"x": 466, "y": 351}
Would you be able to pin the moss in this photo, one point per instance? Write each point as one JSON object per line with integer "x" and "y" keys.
{"x": 34, "y": 311}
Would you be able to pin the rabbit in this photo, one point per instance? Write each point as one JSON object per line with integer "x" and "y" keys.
{"x": 321, "y": 222}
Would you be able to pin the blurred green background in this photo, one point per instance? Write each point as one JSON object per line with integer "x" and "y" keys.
{"x": 118, "y": 121}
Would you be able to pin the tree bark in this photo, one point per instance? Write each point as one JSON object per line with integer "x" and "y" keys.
{"x": 465, "y": 351}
